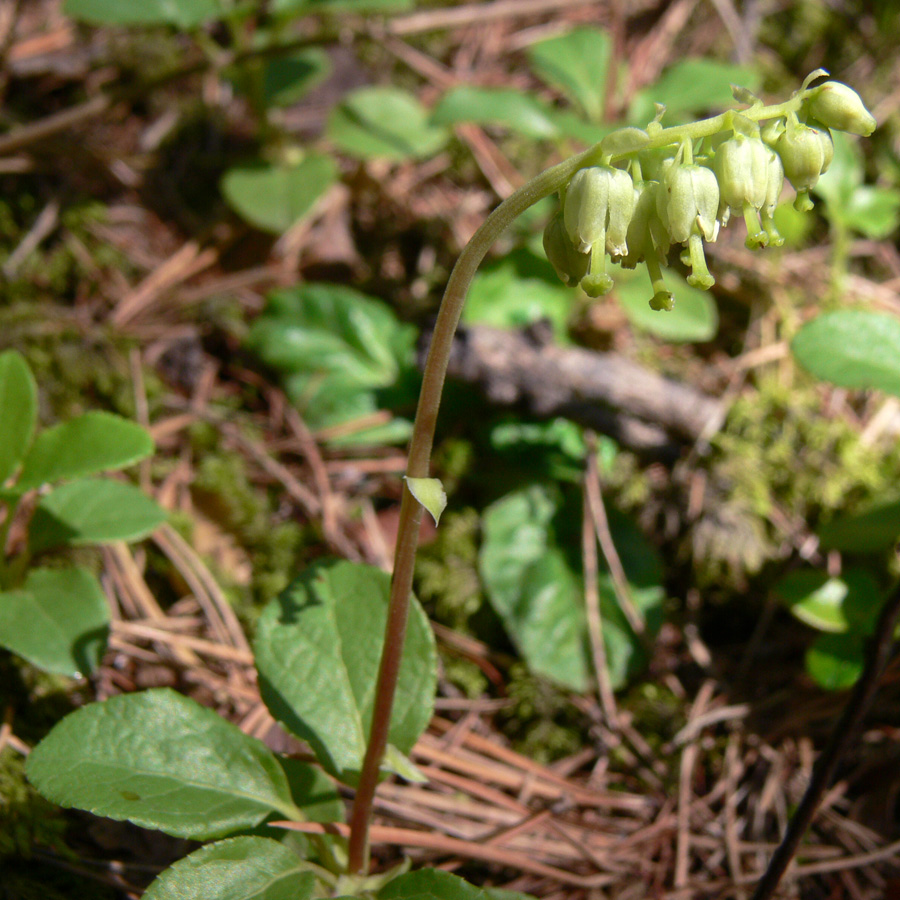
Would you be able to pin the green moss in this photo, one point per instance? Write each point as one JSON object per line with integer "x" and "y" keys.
{"x": 541, "y": 722}
{"x": 447, "y": 571}
{"x": 781, "y": 456}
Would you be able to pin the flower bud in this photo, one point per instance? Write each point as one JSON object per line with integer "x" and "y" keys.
{"x": 741, "y": 165}
{"x": 570, "y": 265}
{"x": 598, "y": 207}
{"x": 838, "y": 106}
{"x": 805, "y": 154}
{"x": 688, "y": 202}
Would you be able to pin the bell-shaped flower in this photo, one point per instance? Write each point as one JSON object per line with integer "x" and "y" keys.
{"x": 598, "y": 206}
{"x": 805, "y": 153}
{"x": 774, "y": 186}
{"x": 741, "y": 165}
{"x": 688, "y": 203}
{"x": 837, "y": 106}
{"x": 569, "y": 264}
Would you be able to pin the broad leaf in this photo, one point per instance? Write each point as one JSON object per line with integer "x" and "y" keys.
{"x": 853, "y": 348}
{"x": 384, "y": 123}
{"x": 274, "y": 197}
{"x": 430, "y": 884}
{"x": 180, "y": 13}
{"x": 868, "y": 209}
{"x": 508, "y": 107}
{"x": 18, "y": 411}
{"x": 871, "y": 531}
{"x": 289, "y": 78}
{"x": 689, "y": 87}
{"x": 317, "y": 651}
{"x": 576, "y": 63}
{"x": 242, "y": 868}
{"x": 535, "y": 585}
{"x": 91, "y": 443}
{"x": 58, "y": 621}
{"x": 848, "y": 603}
{"x": 835, "y": 661}
{"x": 92, "y": 511}
{"x": 694, "y": 318}
{"x": 341, "y": 354}
{"x": 313, "y": 791}
{"x": 325, "y": 6}
{"x": 160, "y": 760}
{"x": 518, "y": 291}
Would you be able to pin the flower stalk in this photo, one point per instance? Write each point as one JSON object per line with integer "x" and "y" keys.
{"x": 694, "y": 216}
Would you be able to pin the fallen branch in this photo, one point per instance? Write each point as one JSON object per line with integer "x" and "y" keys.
{"x": 603, "y": 391}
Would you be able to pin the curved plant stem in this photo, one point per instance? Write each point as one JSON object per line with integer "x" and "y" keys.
{"x": 418, "y": 466}
{"x": 844, "y": 731}
{"x": 418, "y": 463}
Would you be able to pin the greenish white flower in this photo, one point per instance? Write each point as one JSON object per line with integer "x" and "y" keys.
{"x": 688, "y": 202}
{"x": 569, "y": 264}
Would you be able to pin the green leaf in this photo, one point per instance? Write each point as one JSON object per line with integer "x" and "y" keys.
{"x": 689, "y": 87}
{"x": 500, "y": 894}
{"x": 180, "y": 13}
{"x": 517, "y": 291}
{"x": 508, "y": 107}
{"x": 58, "y": 621}
{"x": 848, "y": 603}
{"x": 853, "y": 348}
{"x": 160, "y": 760}
{"x": 342, "y": 354}
{"x": 577, "y": 64}
{"x": 91, "y": 443}
{"x": 870, "y": 531}
{"x": 242, "y": 868}
{"x": 536, "y": 588}
{"x": 871, "y": 210}
{"x": 430, "y": 493}
{"x": 384, "y": 123}
{"x": 694, "y": 318}
{"x": 313, "y": 791}
{"x": 18, "y": 411}
{"x": 92, "y": 511}
{"x": 329, "y": 6}
{"x": 430, "y": 884}
{"x": 274, "y": 197}
{"x": 835, "y": 661}
{"x": 317, "y": 651}
{"x": 289, "y": 78}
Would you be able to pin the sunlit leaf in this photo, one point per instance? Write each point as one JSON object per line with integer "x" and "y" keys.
{"x": 160, "y": 760}
{"x": 180, "y": 13}
{"x": 274, "y": 197}
{"x": 242, "y": 868}
{"x": 516, "y": 110}
{"x": 18, "y": 411}
{"x": 853, "y": 348}
{"x": 384, "y": 123}
{"x": 58, "y": 620}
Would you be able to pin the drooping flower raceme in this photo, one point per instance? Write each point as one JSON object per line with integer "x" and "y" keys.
{"x": 642, "y": 191}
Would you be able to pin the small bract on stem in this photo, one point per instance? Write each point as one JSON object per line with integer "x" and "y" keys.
{"x": 651, "y": 188}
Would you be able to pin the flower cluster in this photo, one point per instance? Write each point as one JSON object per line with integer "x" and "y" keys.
{"x": 646, "y": 190}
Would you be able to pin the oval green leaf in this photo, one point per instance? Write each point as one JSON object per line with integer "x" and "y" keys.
{"x": 507, "y": 107}
{"x": 576, "y": 63}
{"x": 242, "y": 868}
{"x": 92, "y": 511}
{"x": 430, "y": 884}
{"x": 18, "y": 411}
{"x": 180, "y": 13}
{"x": 289, "y": 78}
{"x": 835, "y": 661}
{"x": 836, "y": 605}
{"x": 317, "y": 651}
{"x": 92, "y": 443}
{"x": 694, "y": 318}
{"x": 535, "y": 588}
{"x": 384, "y": 123}
{"x": 870, "y": 531}
{"x": 276, "y": 197}
{"x": 430, "y": 493}
{"x": 58, "y": 621}
{"x": 160, "y": 760}
{"x": 853, "y": 348}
